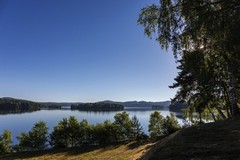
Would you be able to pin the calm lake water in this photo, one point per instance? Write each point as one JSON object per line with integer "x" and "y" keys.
{"x": 20, "y": 122}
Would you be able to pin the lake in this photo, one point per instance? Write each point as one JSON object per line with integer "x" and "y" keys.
{"x": 20, "y": 122}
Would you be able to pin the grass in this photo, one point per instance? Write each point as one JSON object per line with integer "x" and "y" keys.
{"x": 129, "y": 151}
{"x": 215, "y": 141}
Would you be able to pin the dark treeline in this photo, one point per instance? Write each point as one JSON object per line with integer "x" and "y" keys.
{"x": 52, "y": 107}
{"x": 177, "y": 107}
{"x": 16, "y": 106}
{"x": 158, "y": 107}
{"x": 99, "y": 106}
{"x": 11, "y": 105}
{"x": 69, "y": 132}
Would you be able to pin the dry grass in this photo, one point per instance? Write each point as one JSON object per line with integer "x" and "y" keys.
{"x": 130, "y": 151}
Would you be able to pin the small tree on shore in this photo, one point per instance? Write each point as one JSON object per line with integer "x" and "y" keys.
{"x": 122, "y": 124}
{"x": 136, "y": 129}
{"x": 171, "y": 124}
{"x": 35, "y": 139}
{"x": 6, "y": 142}
{"x": 59, "y": 136}
{"x": 155, "y": 126}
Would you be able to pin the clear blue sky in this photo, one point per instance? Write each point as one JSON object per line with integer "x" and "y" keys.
{"x": 80, "y": 50}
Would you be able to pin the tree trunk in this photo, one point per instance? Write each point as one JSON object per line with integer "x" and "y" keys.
{"x": 226, "y": 98}
{"x": 221, "y": 113}
{"x": 233, "y": 94}
{"x": 214, "y": 118}
{"x": 200, "y": 117}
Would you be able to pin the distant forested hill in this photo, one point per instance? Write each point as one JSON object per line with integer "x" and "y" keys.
{"x": 146, "y": 104}
{"x": 11, "y": 105}
{"x": 125, "y": 104}
{"x": 99, "y": 106}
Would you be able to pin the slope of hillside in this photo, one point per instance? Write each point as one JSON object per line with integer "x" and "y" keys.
{"x": 216, "y": 141}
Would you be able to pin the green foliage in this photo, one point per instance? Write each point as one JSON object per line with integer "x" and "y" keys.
{"x": 177, "y": 107}
{"x": 155, "y": 126}
{"x": 204, "y": 36}
{"x": 136, "y": 129}
{"x": 59, "y": 136}
{"x": 35, "y": 139}
{"x": 171, "y": 124}
{"x": 73, "y": 131}
{"x": 104, "y": 133}
{"x": 6, "y": 142}
{"x": 86, "y": 132}
{"x": 24, "y": 142}
{"x": 159, "y": 126}
{"x": 38, "y": 135}
{"x": 122, "y": 124}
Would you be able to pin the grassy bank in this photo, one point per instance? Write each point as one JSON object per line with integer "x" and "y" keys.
{"x": 216, "y": 141}
{"x": 116, "y": 152}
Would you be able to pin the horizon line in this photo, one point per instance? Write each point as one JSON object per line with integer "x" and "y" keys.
{"x": 83, "y": 101}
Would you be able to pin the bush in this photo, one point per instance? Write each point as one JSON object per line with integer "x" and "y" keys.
{"x": 122, "y": 124}
{"x": 71, "y": 133}
{"x": 104, "y": 133}
{"x": 160, "y": 126}
{"x": 136, "y": 129}
{"x": 35, "y": 139}
{"x": 6, "y": 142}
{"x": 59, "y": 136}
{"x": 171, "y": 124}
{"x": 155, "y": 126}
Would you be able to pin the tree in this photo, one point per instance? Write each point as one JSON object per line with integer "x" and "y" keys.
{"x": 104, "y": 133}
{"x": 35, "y": 139}
{"x": 207, "y": 29}
{"x": 110, "y": 132}
{"x": 71, "y": 133}
{"x": 24, "y": 142}
{"x": 122, "y": 124}
{"x": 198, "y": 81}
{"x": 155, "y": 126}
{"x": 73, "y": 130}
{"x": 39, "y": 136}
{"x": 85, "y": 134}
{"x": 60, "y": 136}
{"x": 171, "y": 124}
{"x": 136, "y": 129}
{"x": 6, "y": 142}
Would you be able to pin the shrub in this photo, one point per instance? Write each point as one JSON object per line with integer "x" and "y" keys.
{"x": 155, "y": 126}
{"x": 6, "y": 142}
{"x": 136, "y": 129}
{"x": 35, "y": 139}
{"x": 171, "y": 124}
{"x": 122, "y": 124}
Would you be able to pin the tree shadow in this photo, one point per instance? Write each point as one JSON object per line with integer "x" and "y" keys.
{"x": 65, "y": 151}
{"x": 136, "y": 144}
